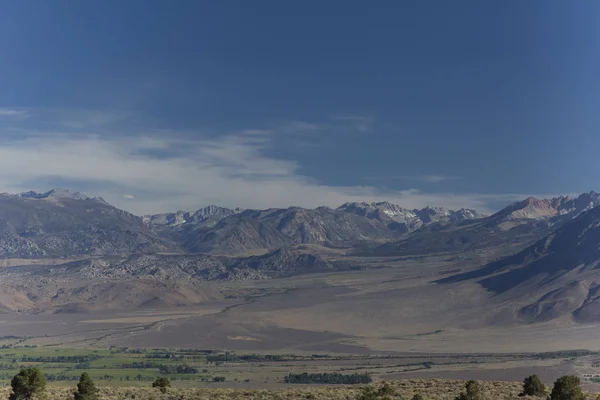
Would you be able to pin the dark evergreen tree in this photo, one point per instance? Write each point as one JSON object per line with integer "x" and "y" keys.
{"x": 27, "y": 383}
{"x": 533, "y": 386}
{"x": 86, "y": 390}
{"x": 567, "y": 388}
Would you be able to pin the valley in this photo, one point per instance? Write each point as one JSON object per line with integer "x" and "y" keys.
{"x": 366, "y": 281}
{"x": 393, "y": 306}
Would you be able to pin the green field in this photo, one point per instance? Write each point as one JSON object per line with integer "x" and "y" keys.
{"x": 109, "y": 366}
{"x": 137, "y": 367}
{"x": 206, "y": 368}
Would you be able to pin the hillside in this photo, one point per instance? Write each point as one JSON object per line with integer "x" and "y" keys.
{"x": 59, "y": 223}
{"x": 560, "y": 271}
{"x": 516, "y": 226}
{"x": 227, "y": 231}
{"x": 274, "y": 228}
{"x": 144, "y": 280}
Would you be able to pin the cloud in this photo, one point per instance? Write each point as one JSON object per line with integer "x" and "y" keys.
{"x": 355, "y": 118}
{"x": 431, "y": 178}
{"x": 362, "y": 124}
{"x": 10, "y": 112}
{"x": 437, "y": 178}
{"x": 300, "y": 128}
{"x": 310, "y": 134}
{"x": 166, "y": 170}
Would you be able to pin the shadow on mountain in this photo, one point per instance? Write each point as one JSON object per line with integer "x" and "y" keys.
{"x": 575, "y": 245}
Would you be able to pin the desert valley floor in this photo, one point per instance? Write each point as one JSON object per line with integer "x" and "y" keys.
{"x": 395, "y": 310}
{"x": 394, "y": 307}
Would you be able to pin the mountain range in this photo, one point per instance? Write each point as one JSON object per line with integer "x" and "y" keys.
{"x": 59, "y": 223}
{"x": 221, "y": 230}
{"x": 65, "y": 252}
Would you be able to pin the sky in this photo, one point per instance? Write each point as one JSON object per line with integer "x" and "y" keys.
{"x": 158, "y": 105}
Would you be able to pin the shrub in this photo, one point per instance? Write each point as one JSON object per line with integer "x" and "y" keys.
{"x": 386, "y": 389}
{"x": 28, "y": 382}
{"x": 472, "y": 392}
{"x": 533, "y": 386}
{"x": 383, "y": 393}
{"x": 567, "y": 388}
{"x": 86, "y": 390}
{"x": 417, "y": 397}
{"x": 162, "y": 383}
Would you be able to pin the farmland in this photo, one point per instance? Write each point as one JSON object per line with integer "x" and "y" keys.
{"x": 210, "y": 368}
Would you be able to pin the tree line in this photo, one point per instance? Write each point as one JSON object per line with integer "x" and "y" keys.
{"x": 230, "y": 357}
{"x": 329, "y": 378}
{"x": 30, "y": 383}
{"x": 59, "y": 359}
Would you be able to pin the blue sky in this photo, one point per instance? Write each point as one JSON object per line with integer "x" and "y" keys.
{"x": 161, "y": 105}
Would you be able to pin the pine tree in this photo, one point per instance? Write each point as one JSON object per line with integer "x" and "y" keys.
{"x": 567, "y": 388}
{"x": 86, "y": 390}
{"x": 533, "y": 386}
{"x": 27, "y": 383}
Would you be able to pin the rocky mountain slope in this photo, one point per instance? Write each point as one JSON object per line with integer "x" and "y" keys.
{"x": 403, "y": 220}
{"x": 180, "y": 268}
{"x": 226, "y": 231}
{"x": 206, "y": 216}
{"x": 532, "y": 208}
{"x": 59, "y": 223}
{"x": 145, "y": 280}
{"x": 557, "y": 276}
{"x": 274, "y": 228}
{"x": 518, "y": 225}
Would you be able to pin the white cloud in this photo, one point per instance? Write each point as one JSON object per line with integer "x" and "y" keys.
{"x": 165, "y": 172}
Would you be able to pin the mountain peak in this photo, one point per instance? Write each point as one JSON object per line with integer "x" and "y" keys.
{"x": 210, "y": 213}
{"x": 534, "y": 208}
{"x": 57, "y": 193}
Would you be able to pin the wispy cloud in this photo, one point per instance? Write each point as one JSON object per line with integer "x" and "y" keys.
{"x": 356, "y": 118}
{"x": 361, "y": 123}
{"x": 166, "y": 170}
{"x": 300, "y": 128}
{"x": 428, "y": 178}
{"x": 11, "y": 112}
{"x": 309, "y": 133}
{"x": 436, "y": 178}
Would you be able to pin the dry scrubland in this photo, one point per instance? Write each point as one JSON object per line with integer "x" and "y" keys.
{"x": 435, "y": 389}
